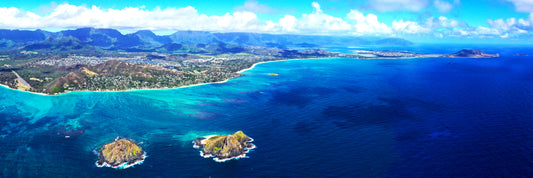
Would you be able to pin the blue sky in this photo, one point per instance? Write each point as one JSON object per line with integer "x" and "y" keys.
{"x": 418, "y": 20}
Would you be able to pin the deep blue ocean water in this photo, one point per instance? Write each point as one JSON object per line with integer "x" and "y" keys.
{"x": 319, "y": 117}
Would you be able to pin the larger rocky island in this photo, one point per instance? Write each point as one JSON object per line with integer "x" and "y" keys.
{"x": 224, "y": 147}
{"x": 465, "y": 53}
{"x": 121, "y": 153}
{"x": 468, "y": 53}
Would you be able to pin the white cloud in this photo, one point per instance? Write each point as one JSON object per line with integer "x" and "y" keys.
{"x": 499, "y": 28}
{"x": 187, "y": 18}
{"x": 523, "y": 5}
{"x": 479, "y": 32}
{"x": 14, "y": 18}
{"x": 457, "y": 32}
{"x": 368, "y": 24}
{"x": 315, "y": 22}
{"x": 398, "y": 5}
{"x": 485, "y": 31}
{"x": 319, "y": 22}
{"x": 443, "y": 22}
{"x": 443, "y": 6}
{"x": 512, "y": 25}
{"x": 505, "y": 36}
{"x": 501, "y": 24}
{"x": 254, "y": 6}
{"x": 526, "y": 24}
{"x": 409, "y": 27}
{"x": 430, "y": 25}
{"x": 288, "y": 23}
{"x": 442, "y": 26}
{"x": 316, "y": 6}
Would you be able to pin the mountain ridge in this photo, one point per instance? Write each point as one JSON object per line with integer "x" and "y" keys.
{"x": 108, "y": 38}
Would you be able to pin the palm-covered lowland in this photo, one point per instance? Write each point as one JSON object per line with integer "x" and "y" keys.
{"x": 105, "y": 59}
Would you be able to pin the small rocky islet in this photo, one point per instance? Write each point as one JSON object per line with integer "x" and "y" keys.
{"x": 224, "y": 147}
{"x": 122, "y": 153}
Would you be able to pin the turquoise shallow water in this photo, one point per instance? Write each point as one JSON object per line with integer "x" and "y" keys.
{"x": 320, "y": 117}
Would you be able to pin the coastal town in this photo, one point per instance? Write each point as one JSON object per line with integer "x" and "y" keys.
{"x": 56, "y": 74}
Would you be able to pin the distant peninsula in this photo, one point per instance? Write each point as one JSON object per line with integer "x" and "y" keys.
{"x": 468, "y": 53}
{"x": 224, "y": 147}
{"x": 465, "y": 53}
{"x": 121, "y": 154}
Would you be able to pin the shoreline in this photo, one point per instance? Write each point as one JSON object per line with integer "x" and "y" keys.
{"x": 124, "y": 165}
{"x": 42, "y": 94}
{"x": 151, "y": 89}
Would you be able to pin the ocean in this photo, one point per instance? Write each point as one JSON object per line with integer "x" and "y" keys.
{"x": 424, "y": 117}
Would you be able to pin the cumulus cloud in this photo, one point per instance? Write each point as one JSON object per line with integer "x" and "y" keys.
{"x": 499, "y": 28}
{"x": 443, "y": 26}
{"x": 409, "y": 27}
{"x": 523, "y": 5}
{"x": 315, "y": 22}
{"x": 254, "y": 6}
{"x": 316, "y": 6}
{"x": 288, "y": 23}
{"x": 511, "y": 25}
{"x": 503, "y": 24}
{"x": 398, "y": 5}
{"x": 15, "y": 18}
{"x": 478, "y": 32}
{"x": 485, "y": 31}
{"x": 430, "y": 25}
{"x": 318, "y": 22}
{"x": 187, "y": 18}
{"x": 526, "y": 23}
{"x": 442, "y": 6}
{"x": 367, "y": 24}
{"x": 502, "y": 28}
{"x": 443, "y": 22}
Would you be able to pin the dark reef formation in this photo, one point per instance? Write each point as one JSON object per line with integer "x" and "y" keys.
{"x": 122, "y": 153}
{"x": 225, "y": 147}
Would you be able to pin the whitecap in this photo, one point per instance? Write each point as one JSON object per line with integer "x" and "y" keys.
{"x": 125, "y": 165}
